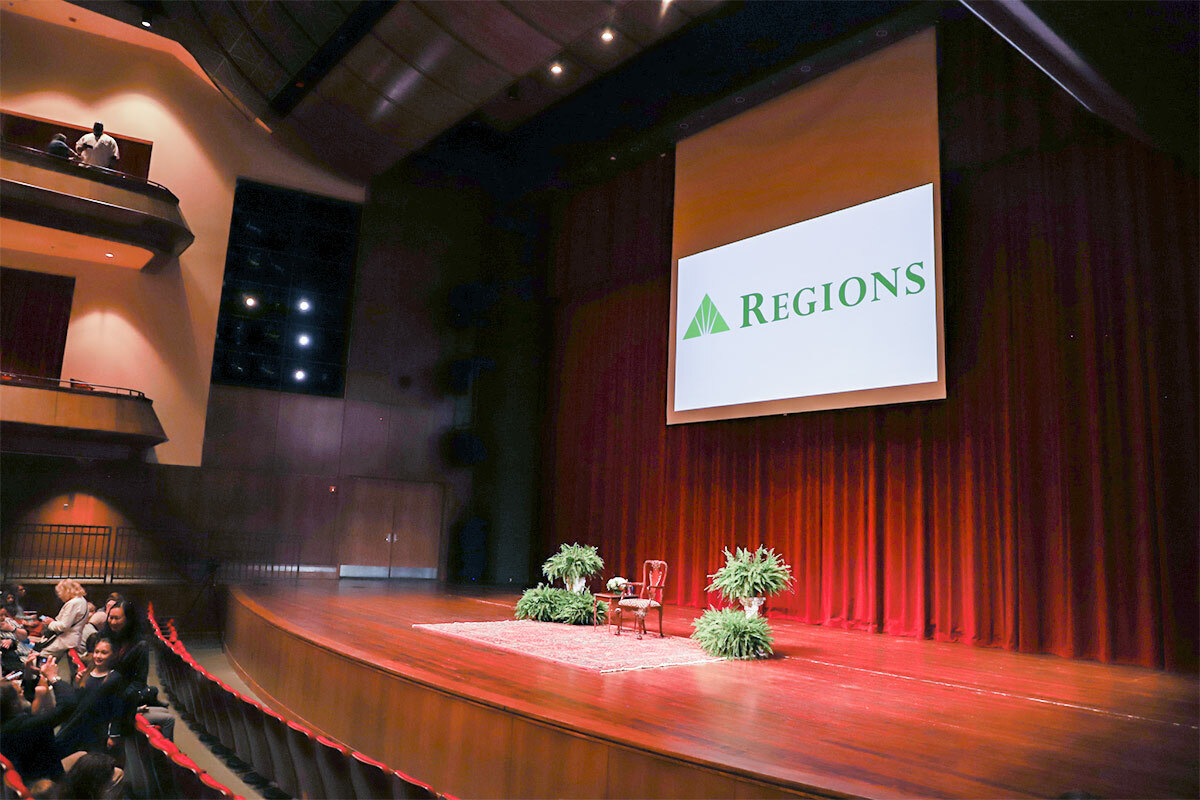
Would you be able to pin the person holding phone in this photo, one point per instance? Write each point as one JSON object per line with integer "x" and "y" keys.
{"x": 27, "y": 730}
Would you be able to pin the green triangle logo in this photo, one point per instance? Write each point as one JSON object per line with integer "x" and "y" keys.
{"x": 706, "y": 320}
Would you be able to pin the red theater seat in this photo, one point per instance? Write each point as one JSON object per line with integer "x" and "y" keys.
{"x": 334, "y": 763}
{"x": 283, "y": 771}
{"x": 303, "y": 746}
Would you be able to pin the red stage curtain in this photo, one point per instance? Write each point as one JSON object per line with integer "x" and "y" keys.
{"x": 34, "y": 311}
{"x": 1049, "y": 504}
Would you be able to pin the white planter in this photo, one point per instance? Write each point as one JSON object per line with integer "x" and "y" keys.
{"x": 752, "y": 605}
{"x": 576, "y": 585}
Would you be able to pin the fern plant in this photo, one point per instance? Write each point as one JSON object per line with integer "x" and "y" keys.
{"x": 576, "y": 609}
{"x": 573, "y": 564}
{"x": 747, "y": 575}
{"x": 539, "y": 603}
{"x": 551, "y": 604}
{"x": 728, "y": 633}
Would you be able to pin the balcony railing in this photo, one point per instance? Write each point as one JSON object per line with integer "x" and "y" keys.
{"x": 105, "y": 554}
{"x": 53, "y": 192}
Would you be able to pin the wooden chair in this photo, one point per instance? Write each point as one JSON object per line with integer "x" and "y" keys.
{"x": 650, "y": 595}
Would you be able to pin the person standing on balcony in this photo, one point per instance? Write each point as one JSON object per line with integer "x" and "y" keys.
{"x": 98, "y": 148}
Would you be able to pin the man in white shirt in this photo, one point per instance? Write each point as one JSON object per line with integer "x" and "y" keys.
{"x": 98, "y": 148}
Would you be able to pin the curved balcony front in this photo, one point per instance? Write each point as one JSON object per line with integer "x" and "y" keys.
{"x": 49, "y": 193}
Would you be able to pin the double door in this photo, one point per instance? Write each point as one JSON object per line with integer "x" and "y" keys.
{"x": 390, "y": 529}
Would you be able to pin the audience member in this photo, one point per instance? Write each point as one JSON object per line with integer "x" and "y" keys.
{"x": 43, "y": 789}
{"x": 98, "y": 148}
{"x": 12, "y": 600}
{"x": 26, "y": 735}
{"x": 58, "y": 147}
{"x": 67, "y": 627}
{"x": 92, "y": 776}
{"x": 100, "y": 701}
{"x": 131, "y": 658}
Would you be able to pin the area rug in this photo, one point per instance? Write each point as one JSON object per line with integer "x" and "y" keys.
{"x": 577, "y": 645}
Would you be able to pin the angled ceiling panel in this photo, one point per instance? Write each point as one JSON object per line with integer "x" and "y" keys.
{"x": 495, "y": 32}
{"x": 564, "y": 21}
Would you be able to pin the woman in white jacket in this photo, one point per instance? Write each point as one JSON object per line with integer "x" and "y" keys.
{"x": 68, "y": 625}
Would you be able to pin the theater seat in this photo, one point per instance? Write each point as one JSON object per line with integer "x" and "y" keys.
{"x": 283, "y": 771}
{"x": 334, "y": 763}
{"x": 256, "y": 729}
{"x": 303, "y": 746}
{"x": 371, "y": 778}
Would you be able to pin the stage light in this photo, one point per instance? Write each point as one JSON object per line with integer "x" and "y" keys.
{"x": 303, "y": 340}
{"x": 556, "y": 68}
{"x": 299, "y": 375}
{"x": 303, "y": 305}
{"x": 606, "y": 35}
{"x": 251, "y": 301}
{"x": 145, "y": 19}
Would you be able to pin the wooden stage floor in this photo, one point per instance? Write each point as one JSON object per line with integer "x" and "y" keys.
{"x": 834, "y": 712}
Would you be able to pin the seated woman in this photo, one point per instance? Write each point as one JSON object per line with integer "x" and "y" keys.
{"x": 131, "y": 657}
{"x": 27, "y": 732}
{"x": 101, "y": 701}
{"x": 67, "y": 627}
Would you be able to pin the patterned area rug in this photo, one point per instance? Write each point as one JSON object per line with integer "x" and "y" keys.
{"x": 578, "y": 645}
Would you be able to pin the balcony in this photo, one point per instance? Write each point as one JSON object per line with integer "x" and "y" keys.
{"x": 54, "y": 205}
{"x": 57, "y": 417}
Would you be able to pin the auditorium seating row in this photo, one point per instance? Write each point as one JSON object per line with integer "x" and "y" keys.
{"x": 300, "y": 762}
{"x": 154, "y": 767}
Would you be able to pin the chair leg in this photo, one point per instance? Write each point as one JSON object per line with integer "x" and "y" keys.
{"x": 661, "y": 635}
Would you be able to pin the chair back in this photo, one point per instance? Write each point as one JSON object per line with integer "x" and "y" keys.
{"x": 654, "y": 580}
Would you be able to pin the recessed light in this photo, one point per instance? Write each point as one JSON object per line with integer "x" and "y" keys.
{"x": 606, "y": 35}
{"x": 251, "y": 302}
{"x": 556, "y": 68}
{"x": 303, "y": 305}
{"x": 299, "y": 375}
{"x": 303, "y": 340}
{"x": 108, "y": 255}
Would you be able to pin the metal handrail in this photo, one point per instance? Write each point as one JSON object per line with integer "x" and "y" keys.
{"x": 91, "y": 171}
{"x": 71, "y": 384}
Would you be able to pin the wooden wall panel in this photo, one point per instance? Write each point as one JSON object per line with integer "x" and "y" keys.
{"x": 309, "y": 436}
{"x": 414, "y": 440}
{"x": 365, "y": 439}
{"x": 309, "y": 511}
{"x": 365, "y": 522}
{"x": 636, "y": 774}
{"x": 240, "y": 428}
{"x": 416, "y": 524}
{"x": 579, "y": 770}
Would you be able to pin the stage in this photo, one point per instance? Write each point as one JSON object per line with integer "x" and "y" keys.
{"x": 832, "y": 713}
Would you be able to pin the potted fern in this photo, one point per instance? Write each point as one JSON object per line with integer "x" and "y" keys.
{"x": 573, "y": 564}
{"x": 749, "y": 578}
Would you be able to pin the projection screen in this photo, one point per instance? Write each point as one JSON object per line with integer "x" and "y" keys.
{"x": 807, "y": 268}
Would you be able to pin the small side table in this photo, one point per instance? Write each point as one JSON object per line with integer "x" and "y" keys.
{"x": 609, "y": 597}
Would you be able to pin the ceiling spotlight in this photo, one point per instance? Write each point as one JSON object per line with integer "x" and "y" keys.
{"x": 303, "y": 305}
{"x": 299, "y": 375}
{"x": 556, "y": 68}
{"x": 251, "y": 301}
{"x": 108, "y": 255}
{"x": 303, "y": 340}
{"x": 145, "y": 18}
{"x": 606, "y": 35}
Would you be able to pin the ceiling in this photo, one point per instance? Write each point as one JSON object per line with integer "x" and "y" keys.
{"x": 361, "y": 84}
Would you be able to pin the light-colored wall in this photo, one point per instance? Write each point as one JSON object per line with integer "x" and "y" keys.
{"x": 150, "y": 332}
